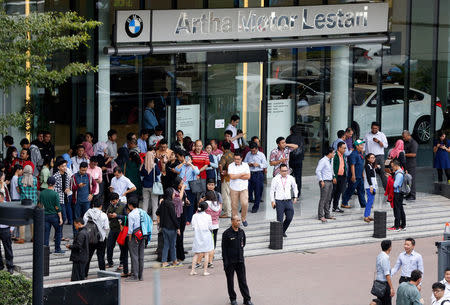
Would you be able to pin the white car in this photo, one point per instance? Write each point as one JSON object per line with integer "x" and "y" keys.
{"x": 365, "y": 102}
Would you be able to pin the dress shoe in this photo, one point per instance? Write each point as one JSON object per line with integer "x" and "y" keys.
{"x": 254, "y": 211}
{"x": 248, "y": 303}
{"x": 346, "y": 206}
{"x": 233, "y": 302}
{"x": 366, "y": 219}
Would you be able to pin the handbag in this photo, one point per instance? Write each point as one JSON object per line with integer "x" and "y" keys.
{"x": 122, "y": 235}
{"x": 378, "y": 288}
{"x": 198, "y": 186}
{"x": 138, "y": 234}
{"x": 157, "y": 188}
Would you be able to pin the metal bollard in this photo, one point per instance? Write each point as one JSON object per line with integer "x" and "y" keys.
{"x": 443, "y": 248}
{"x": 46, "y": 260}
{"x": 379, "y": 224}
{"x": 276, "y": 235}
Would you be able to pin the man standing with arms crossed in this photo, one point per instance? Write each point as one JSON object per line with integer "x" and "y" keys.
{"x": 408, "y": 261}
{"x": 239, "y": 173}
{"x": 281, "y": 198}
{"x": 375, "y": 143}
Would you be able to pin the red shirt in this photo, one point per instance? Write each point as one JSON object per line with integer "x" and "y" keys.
{"x": 23, "y": 163}
{"x": 200, "y": 160}
{"x": 231, "y": 146}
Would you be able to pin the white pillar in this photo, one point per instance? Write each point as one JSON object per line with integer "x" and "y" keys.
{"x": 340, "y": 64}
{"x": 103, "y": 72}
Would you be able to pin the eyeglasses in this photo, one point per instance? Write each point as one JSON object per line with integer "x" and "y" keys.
{"x": 284, "y": 170}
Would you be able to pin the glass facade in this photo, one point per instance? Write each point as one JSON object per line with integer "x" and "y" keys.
{"x": 322, "y": 89}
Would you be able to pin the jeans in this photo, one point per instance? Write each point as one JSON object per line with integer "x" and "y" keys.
{"x": 255, "y": 185}
{"x": 370, "y": 198}
{"x": 399, "y": 212}
{"x": 284, "y": 207}
{"x": 352, "y": 186}
{"x": 78, "y": 211}
{"x": 190, "y": 210}
{"x": 170, "y": 239}
{"x": 5, "y": 237}
{"x": 53, "y": 221}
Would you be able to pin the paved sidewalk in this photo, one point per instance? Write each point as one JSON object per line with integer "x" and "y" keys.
{"x": 334, "y": 276}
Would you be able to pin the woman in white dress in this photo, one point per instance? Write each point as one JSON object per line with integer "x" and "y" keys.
{"x": 203, "y": 239}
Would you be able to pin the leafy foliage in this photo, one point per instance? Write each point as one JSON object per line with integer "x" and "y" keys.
{"x": 12, "y": 120}
{"x": 36, "y": 39}
{"x": 15, "y": 289}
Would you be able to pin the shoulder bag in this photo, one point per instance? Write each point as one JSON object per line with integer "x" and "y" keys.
{"x": 197, "y": 186}
{"x": 378, "y": 287}
{"x": 157, "y": 188}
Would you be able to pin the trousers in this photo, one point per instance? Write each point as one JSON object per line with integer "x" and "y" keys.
{"x": 352, "y": 186}
{"x": 137, "y": 256}
{"x": 5, "y": 237}
{"x": 100, "y": 248}
{"x": 255, "y": 186}
{"x": 53, "y": 221}
{"x": 399, "y": 212}
{"x": 325, "y": 199}
{"x": 239, "y": 268}
{"x": 284, "y": 207}
{"x": 386, "y": 299}
{"x": 338, "y": 190}
{"x": 226, "y": 198}
{"x": 149, "y": 200}
{"x": 297, "y": 173}
{"x": 236, "y": 197}
{"x": 78, "y": 271}
{"x": 370, "y": 199}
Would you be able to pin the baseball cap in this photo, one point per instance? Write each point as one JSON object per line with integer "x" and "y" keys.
{"x": 358, "y": 142}
{"x": 51, "y": 181}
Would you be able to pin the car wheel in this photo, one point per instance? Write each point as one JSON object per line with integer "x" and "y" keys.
{"x": 355, "y": 128}
{"x": 422, "y": 130}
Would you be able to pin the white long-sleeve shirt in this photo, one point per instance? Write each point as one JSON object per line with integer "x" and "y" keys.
{"x": 372, "y": 147}
{"x": 324, "y": 171}
{"x": 281, "y": 188}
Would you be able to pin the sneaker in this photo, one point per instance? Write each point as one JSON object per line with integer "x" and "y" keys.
{"x": 210, "y": 265}
{"x": 245, "y": 223}
{"x": 392, "y": 229}
{"x": 132, "y": 279}
{"x": 110, "y": 266}
{"x": 206, "y": 273}
{"x": 59, "y": 252}
{"x": 402, "y": 229}
{"x": 338, "y": 210}
{"x": 198, "y": 266}
{"x": 178, "y": 264}
{"x": 166, "y": 266}
{"x": 193, "y": 273}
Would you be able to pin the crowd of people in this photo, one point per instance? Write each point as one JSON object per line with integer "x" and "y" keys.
{"x": 350, "y": 167}
{"x": 410, "y": 264}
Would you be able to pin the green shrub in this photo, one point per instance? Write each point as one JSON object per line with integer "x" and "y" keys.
{"x": 15, "y": 289}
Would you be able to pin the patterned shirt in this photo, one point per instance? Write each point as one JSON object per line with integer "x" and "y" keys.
{"x": 278, "y": 154}
{"x": 59, "y": 185}
{"x": 227, "y": 159}
{"x": 28, "y": 192}
{"x": 200, "y": 160}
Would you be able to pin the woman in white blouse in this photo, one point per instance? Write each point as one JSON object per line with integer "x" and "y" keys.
{"x": 203, "y": 239}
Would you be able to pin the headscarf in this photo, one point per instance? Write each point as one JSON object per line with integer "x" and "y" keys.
{"x": 398, "y": 148}
{"x": 122, "y": 156}
{"x": 27, "y": 179}
{"x": 99, "y": 148}
{"x": 149, "y": 161}
{"x": 67, "y": 158}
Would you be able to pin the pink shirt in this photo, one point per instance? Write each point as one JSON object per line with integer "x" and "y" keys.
{"x": 96, "y": 174}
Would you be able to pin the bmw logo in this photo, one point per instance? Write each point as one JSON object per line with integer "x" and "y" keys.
{"x": 134, "y": 26}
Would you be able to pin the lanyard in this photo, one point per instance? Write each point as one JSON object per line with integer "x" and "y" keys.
{"x": 284, "y": 183}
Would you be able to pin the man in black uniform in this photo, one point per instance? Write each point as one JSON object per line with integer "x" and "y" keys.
{"x": 233, "y": 243}
{"x": 80, "y": 251}
{"x": 297, "y": 155}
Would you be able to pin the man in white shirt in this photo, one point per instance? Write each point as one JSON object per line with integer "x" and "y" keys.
{"x": 78, "y": 159}
{"x": 375, "y": 143}
{"x": 408, "y": 261}
{"x": 156, "y": 137}
{"x": 121, "y": 185}
{"x": 324, "y": 174}
{"x": 239, "y": 173}
{"x": 100, "y": 219}
{"x": 281, "y": 190}
{"x": 440, "y": 295}
{"x": 234, "y": 121}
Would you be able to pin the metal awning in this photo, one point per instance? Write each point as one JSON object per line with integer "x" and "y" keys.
{"x": 174, "y": 48}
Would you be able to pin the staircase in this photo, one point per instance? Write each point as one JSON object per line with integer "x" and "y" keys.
{"x": 425, "y": 217}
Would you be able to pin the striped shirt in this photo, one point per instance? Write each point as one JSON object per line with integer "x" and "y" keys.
{"x": 200, "y": 160}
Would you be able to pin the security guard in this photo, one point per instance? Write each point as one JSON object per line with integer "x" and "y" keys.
{"x": 233, "y": 243}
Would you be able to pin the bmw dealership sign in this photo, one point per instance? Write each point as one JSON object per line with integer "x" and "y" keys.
{"x": 248, "y": 23}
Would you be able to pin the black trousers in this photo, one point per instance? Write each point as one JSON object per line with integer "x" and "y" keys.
{"x": 239, "y": 268}
{"x": 338, "y": 190}
{"x": 297, "y": 173}
{"x": 386, "y": 299}
{"x": 440, "y": 172}
{"x": 399, "y": 212}
{"x": 78, "y": 271}
{"x": 100, "y": 247}
{"x": 110, "y": 245}
{"x": 5, "y": 237}
{"x": 180, "y": 238}
{"x": 403, "y": 279}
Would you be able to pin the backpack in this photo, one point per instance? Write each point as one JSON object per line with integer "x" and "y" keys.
{"x": 405, "y": 188}
{"x": 93, "y": 232}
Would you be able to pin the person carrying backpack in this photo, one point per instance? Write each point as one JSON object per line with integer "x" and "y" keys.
{"x": 97, "y": 224}
{"x": 399, "y": 212}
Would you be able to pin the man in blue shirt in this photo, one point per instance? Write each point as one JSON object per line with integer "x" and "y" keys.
{"x": 150, "y": 121}
{"x": 399, "y": 212}
{"x": 257, "y": 163}
{"x": 355, "y": 176}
